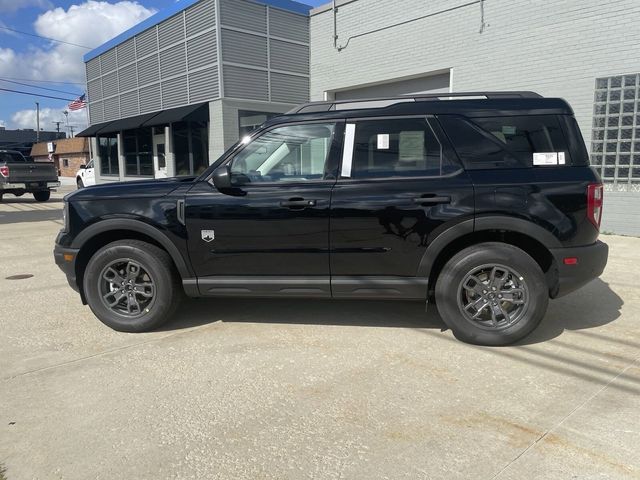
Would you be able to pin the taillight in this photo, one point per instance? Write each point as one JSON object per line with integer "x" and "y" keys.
{"x": 4, "y": 171}
{"x": 594, "y": 203}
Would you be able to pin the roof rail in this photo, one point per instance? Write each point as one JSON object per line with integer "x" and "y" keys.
{"x": 368, "y": 103}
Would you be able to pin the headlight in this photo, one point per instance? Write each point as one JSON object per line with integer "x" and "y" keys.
{"x": 65, "y": 217}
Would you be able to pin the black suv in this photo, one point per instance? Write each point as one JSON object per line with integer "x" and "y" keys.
{"x": 484, "y": 203}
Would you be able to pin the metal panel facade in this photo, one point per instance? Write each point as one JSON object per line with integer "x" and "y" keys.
{"x": 152, "y": 70}
{"x": 175, "y": 62}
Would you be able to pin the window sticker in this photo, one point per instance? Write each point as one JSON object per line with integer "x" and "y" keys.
{"x": 383, "y": 141}
{"x": 546, "y": 158}
{"x": 561, "y": 160}
{"x": 508, "y": 130}
{"x": 411, "y": 146}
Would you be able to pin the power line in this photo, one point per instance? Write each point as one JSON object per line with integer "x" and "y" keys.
{"x": 41, "y": 88}
{"x": 44, "y": 81}
{"x": 44, "y": 38}
{"x": 36, "y": 94}
{"x": 446, "y": 10}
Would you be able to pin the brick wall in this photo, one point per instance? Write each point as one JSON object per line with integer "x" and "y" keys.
{"x": 75, "y": 160}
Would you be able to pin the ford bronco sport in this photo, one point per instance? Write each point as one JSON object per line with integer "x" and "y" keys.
{"x": 482, "y": 203}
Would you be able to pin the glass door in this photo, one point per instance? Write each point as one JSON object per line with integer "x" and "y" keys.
{"x": 159, "y": 159}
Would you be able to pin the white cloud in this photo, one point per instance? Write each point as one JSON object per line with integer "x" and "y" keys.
{"x": 7, "y": 6}
{"x": 91, "y": 23}
{"x": 2, "y": 123}
{"x": 27, "y": 119}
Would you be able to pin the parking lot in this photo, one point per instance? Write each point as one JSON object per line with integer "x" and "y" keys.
{"x": 284, "y": 389}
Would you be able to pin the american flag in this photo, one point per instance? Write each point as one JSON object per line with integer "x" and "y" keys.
{"x": 78, "y": 103}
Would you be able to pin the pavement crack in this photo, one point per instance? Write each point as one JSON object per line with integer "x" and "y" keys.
{"x": 566, "y": 417}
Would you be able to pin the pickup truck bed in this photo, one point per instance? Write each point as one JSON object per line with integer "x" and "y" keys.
{"x": 19, "y": 176}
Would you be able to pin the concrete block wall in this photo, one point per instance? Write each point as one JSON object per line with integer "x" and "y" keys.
{"x": 556, "y": 48}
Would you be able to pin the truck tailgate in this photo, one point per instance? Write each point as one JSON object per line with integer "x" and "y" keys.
{"x": 32, "y": 172}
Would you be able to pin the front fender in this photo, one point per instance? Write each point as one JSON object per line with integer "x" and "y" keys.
{"x": 138, "y": 226}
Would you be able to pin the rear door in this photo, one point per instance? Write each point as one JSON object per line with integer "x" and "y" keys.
{"x": 400, "y": 185}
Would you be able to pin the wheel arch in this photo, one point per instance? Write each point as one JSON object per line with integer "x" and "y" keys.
{"x": 523, "y": 234}
{"x": 101, "y": 233}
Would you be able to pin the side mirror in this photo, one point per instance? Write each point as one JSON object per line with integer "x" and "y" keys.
{"x": 222, "y": 178}
{"x": 82, "y": 167}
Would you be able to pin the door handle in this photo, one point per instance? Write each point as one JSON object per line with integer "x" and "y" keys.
{"x": 432, "y": 200}
{"x": 298, "y": 203}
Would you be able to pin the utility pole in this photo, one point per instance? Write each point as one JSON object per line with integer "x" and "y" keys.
{"x": 66, "y": 116}
{"x": 57, "y": 126}
{"x": 71, "y": 130}
{"x": 37, "y": 122}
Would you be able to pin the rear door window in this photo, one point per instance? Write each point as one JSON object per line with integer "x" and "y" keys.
{"x": 506, "y": 142}
{"x": 398, "y": 147}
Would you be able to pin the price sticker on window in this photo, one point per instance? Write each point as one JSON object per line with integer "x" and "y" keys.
{"x": 383, "y": 141}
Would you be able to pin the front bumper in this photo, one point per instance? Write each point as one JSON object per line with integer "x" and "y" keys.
{"x": 590, "y": 263}
{"x": 66, "y": 259}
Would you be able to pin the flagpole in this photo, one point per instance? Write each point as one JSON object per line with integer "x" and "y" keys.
{"x": 89, "y": 138}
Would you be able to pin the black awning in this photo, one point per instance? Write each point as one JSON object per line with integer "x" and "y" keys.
{"x": 92, "y": 130}
{"x": 195, "y": 112}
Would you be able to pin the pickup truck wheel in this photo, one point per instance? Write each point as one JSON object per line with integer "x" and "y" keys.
{"x": 79, "y": 183}
{"x": 42, "y": 196}
{"x": 131, "y": 286}
{"x": 491, "y": 294}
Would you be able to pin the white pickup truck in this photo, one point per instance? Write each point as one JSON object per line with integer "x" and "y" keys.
{"x": 19, "y": 176}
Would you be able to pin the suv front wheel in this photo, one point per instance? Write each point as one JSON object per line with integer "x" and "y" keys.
{"x": 131, "y": 286}
{"x": 491, "y": 294}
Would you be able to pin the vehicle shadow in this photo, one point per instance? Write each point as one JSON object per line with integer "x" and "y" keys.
{"x": 27, "y": 198}
{"x": 592, "y": 306}
{"x": 22, "y": 216}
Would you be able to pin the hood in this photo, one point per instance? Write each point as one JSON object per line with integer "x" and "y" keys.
{"x": 132, "y": 189}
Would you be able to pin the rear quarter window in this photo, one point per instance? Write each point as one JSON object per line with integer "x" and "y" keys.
{"x": 504, "y": 142}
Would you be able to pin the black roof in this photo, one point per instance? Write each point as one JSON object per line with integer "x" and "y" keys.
{"x": 470, "y": 104}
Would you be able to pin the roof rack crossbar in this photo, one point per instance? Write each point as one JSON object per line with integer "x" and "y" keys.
{"x": 323, "y": 106}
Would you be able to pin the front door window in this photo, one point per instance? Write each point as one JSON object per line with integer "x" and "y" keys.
{"x": 295, "y": 153}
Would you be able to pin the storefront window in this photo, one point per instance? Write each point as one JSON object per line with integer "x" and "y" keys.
{"x": 138, "y": 152}
{"x": 248, "y": 121}
{"x": 108, "y": 151}
{"x": 191, "y": 147}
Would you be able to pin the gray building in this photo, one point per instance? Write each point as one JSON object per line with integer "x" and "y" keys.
{"x": 586, "y": 51}
{"x": 170, "y": 94}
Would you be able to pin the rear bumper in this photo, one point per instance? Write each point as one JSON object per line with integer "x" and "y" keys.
{"x": 66, "y": 259}
{"x": 29, "y": 186}
{"x": 591, "y": 261}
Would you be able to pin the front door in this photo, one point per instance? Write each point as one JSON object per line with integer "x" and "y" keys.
{"x": 159, "y": 159}
{"x": 400, "y": 184}
{"x": 268, "y": 235}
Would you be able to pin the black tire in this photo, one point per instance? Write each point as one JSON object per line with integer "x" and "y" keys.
{"x": 79, "y": 183}
{"x": 19, "y": 194}
{"x": 161, "y": 273}
{"x": 42, "y": 196}
{"x": 458, "y": 291}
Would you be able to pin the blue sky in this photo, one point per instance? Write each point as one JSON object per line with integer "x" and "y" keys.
{"x": 58, "y": 66}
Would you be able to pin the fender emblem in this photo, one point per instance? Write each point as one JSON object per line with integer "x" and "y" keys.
{"x": 207, "y": 235}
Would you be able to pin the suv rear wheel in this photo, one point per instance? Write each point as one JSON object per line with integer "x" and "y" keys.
{"x": 131, "y": 286}
{"x": 491, "y": 294}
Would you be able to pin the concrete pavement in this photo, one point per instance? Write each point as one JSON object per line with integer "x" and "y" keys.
{"x": 237, "y": 389}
